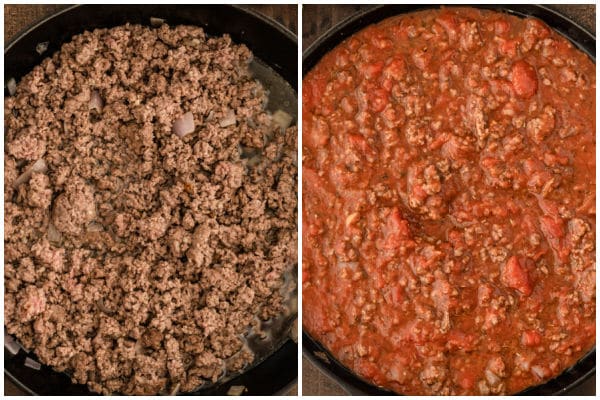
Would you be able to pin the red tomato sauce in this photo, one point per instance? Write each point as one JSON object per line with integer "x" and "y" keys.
{"x": 449, "y": 203}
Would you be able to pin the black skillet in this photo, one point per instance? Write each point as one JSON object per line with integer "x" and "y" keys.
{"x": 275, "y": 51}
{"x": 574, "y": 376}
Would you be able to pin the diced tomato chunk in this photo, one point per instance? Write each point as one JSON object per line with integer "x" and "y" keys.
{"x": 515, "y": 276}
{"x": 397, "y": 293}
{"x": 552, "y": 228}
{"x": 373, "y": 70}
{"x": 396, "y": 230}
{"x": 466, "y": 379}
{"x": 501, "y": 27}
{"x": 396, "y": 69}
{"x": 554, "y": 231}
{"x": 397, "y": 224}
{"x": 378, "y": 100}
{"x": 524, "y": 79}
{"x": 531, "y": 338}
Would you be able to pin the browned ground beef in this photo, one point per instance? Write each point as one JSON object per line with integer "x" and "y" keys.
{"x": 137, "y": 259}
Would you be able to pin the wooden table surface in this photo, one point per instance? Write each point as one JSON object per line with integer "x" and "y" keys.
{"x": 316, "y": 19}
{"x": 18, "y": 17}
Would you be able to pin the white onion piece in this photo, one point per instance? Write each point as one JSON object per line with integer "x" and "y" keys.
{"x": 42, "y": 47}
{"x": 38, "y": 166}
{"x": 96, "y": 102}
{"x": 236, "y": 390}
{"x": 156, "y": 22}
{"x": 228, "y": 119}
{"x": 522, "y": 362}
{"x": 175, "y": 390}
{"x": 10, "y": 344}
{"x": 223, "y": 370}
{"x": 491, "y": 377}
{"x": 282, "y": 119}
{"x": 539, "y": 371}
{"x": 11, "y": 85}
{"x": 138, "y": 347}
{"x": 184, "y": 125}
{"x": 353, "y": 265}
{"x": 32, "y": 364}
{"x": 106, "y": 310}
{"x": 54, "y": 236}
{"x": 95, "y": 227}
{"x": 12, "y": 347}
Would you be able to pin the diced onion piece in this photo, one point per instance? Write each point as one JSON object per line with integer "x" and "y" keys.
{"x": 539, "y": 371}
{"x": 12, "y": 347}
{"x": 223, "y": 370}
{"x": 32, "y": 364}
{"x": 282, "y": 119}
{"x": 236, "y": 390}
{"x": 54, "y": 236}
{"x": 522, "y": 362}
{"x": 42, "y": 47}
{"x": 184, "y": 125}
{"x": 353, "y": 265}
{"x": 96, "y": 102}
{"x": 10, "y": 344}
{"x": 11, "y": 85}
{"x": 95, "y": 227}
{"x": 156, "y": 22}
{"x": 102, "y": 307}
{"x": 175, "y": 389}
{"x": 138, "y": 347}
{"x": 228, "y": 119}
{"x": 491, "y": 377}
{"x": 38, "y": 166}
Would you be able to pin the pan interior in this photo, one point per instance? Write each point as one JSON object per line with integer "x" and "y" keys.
{"x": 273, "y": 333}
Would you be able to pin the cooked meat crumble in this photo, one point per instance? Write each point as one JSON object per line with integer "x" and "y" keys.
{"x": 140, "y": 248}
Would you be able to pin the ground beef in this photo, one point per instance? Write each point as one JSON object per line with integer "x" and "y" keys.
{"x": 136, "y": 259}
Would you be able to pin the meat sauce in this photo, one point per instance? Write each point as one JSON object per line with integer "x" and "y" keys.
{"x": 449, "y": 203}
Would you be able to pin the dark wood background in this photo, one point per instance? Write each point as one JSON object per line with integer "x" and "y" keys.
{"x": 19, "y": 17}
{"x": 316, "y": 19}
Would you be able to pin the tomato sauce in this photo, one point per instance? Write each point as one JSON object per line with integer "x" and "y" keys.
{"x": 449, "y": 203}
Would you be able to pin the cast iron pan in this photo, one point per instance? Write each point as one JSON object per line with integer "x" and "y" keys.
{"x": 275, "y": 65}
{"x": 581, "y": 38}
